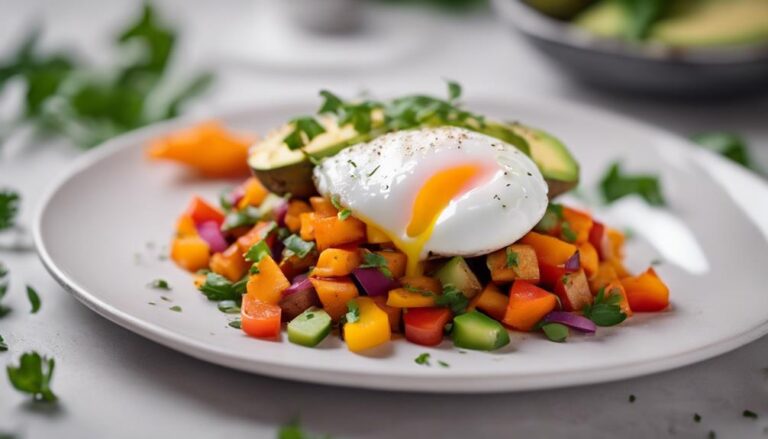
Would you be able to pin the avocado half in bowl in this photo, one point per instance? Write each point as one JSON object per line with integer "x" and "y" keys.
{"x": 284, "y": 170}
{"x": 721, "y": 52}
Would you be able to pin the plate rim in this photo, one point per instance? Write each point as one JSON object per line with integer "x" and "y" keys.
{"x": 494, "y": 383}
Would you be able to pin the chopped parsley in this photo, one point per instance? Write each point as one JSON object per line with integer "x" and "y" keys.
{"x": 175, "y": 308}
{"x": 293, "y": 430}
{"x": 33, "y": 376}
{"x": 422, "y": 359}
{"x": 749, "y": 414}
{"x": 443, "y": 363}
{"x": 34, "y": 299}
{"x": 3, "y": 344}
{"x": 632, "y": 398}
{"x": 567, "y": 232}
{"x": 304, "y": 130}
{"x": 452, "y": 298}
{"x": 229, "y": 306}
{"x": 217, "y": 287}
{"x": 454, "y": 90}
{"x": 375, "y": 260}
{"x": 729, "y": 145}
{"x": 696, "y": 417}
{"x": 297, "y": 246}
{"x": 160, "y": 284}
{"x": 615, "y": 184}
{"x": 353, "y": 312}
{"x": 9, "y": 208}
{"x": 370, "y": 174}
{"x": 237, "y": 324}
{"x": 512, "y": 258}
{"x": 605, "y": 311}
{"x": 556, "y": 332}
{"x": 344, "y": 214}
{"x": 257, "y": 252}
{"x": 4, "y": 310}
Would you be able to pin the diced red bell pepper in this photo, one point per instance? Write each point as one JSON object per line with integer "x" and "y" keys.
{"x": 528, "y": 304}
{"x": 259, "y": 319}
{"x": 200, "y": 211}
{"x": 424, "y": 326}
{"x": 596, "y": 234}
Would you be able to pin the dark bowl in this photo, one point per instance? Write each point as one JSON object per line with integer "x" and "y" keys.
{"x": 648, "y": 69}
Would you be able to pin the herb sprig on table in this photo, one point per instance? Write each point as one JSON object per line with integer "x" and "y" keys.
{"x": 64, "y": 96}
{"x": 618, "y": 184}
{"x": 33, "y": 376}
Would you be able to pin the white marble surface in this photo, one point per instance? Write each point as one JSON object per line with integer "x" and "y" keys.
{"x": 113, "y": 383}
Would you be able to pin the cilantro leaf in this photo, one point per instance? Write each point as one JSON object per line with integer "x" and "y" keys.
{"x": 160, "y": 284}
{"x": 304, "y": 130}
{"x": 175, "y": 308}
{"x": 229, "y": 306}
{"x": 332, "y": 103}
{"x": 605, "y": 311}
{"x": 34, "y": 299}
{"x": 237, "y": 324}
{"x": 454, "y": 90}
{"x": 452, "y": 298}
{"x": 9, "y": 208}
{"x": 567, "y": 232}
{"x": 257, "y": 252}
{"x": 344, "y": 214}
{"x": 297, "y": 246}
{"x": 33, "y": 376}
{"x": 353, "y": 312}
{"x": 443, "y": 363}
{"x": 512, "y": 258}
{"x": 729, "y": 145}
{"x": 749, "y": 414}
{"x": 616, "y": 184}
{"x": 217, "y": 287}
{"x": 375, "y": 260}
{"x": 422, "y": 359}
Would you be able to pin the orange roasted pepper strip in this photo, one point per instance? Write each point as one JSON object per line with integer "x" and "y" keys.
{"x": 528, "y": 304}
{"x": 646, "y": 292}
{"x": 207, "y": 147}
{"x": 549, "y": 250}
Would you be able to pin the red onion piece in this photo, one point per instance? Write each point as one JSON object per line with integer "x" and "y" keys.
{"x": 373, "y": 281}
{"x": 573, "y": 263}
{"x": 211, "y": 233}
{"x": 575, "y": 321}
{"x": 236, "y": 195}
{"x": 300, "y": 283}
{"x": 280, "y": 211}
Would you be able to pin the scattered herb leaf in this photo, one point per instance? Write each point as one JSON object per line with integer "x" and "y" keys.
{"x": 217, "y": 287}
{"x": 33, "y": 376}
{"x": 642, "y": 14}
{"x": 605, "y": 311}
{"x": 34, "y": 299}
{"x": 9, "y": 204}
{"x": 632, "y": 398}
{"x": 729, "y": 145}
{"x": 443, "y": 363}
{"x": 422, "y": 359}
{"x": 237, "y": 324}
{"x": 344, "y": 214}
{"x": 370, "y": 174}
{"x": 749, "y": 414}
{"x": 298, "y": 246}
{"x": 375, "y": 260}
{"x": 3, "y": 344}
{"x": 696, "y": 417}
{"x": 452, "y": 298}
{"x": 229, "y": 306}
{"x": 353, "y": 312}
{"x": 567, "y": 232}
{"x": 512, "y": 258}
{"x": 175, "y": 308}
{"x": 615, "y": 184}
{"x": 304, "y": 130}
{"x": 258, "y": 251}
{"x": 160, "y": 284}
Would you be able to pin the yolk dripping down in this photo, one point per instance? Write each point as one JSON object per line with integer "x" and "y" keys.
{"x": 433, "y": 197}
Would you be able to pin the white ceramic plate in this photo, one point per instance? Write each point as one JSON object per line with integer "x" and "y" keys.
{"x": 102, "y": 227}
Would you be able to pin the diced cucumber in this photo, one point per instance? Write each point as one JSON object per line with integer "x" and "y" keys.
{"x": 456, "y": 272}
{"x": 475, "y": 330}
{"x": 310, "y": 327}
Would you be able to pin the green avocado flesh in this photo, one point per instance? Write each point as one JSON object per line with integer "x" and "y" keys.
{"x": 456, "y": 272}
{"x": 310, "y": 327}
{"x": 475, "y": 330}
{"x": 687, "y": 23}
{"x": 285, "y": 171}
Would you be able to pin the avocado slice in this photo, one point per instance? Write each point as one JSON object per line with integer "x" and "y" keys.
{"x": 475, "y": 330}
{"x": 456, "y": 272}
{"x": 687, "y": 23}
{"x": 284, "y": 171}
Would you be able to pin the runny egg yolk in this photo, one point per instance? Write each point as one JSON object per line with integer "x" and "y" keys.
{"x": 433, "y": 197}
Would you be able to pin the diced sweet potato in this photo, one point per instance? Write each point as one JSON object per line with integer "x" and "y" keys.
{"x": 527, "y": 305}
{"x": 403, "y": 298}
{"x": 336, "y": 262}
{"x": 490, "y": 301}
{"x": 616, "y": 288}
{"x": 588, "y": 258}
{"x": 422, "y": 283}
{"x": 517, "y": 261}
{"x": 334, "y": 294}
{"x": 259, "y": 231}
{"x": 573, "y": 291}
{"x": 549, "y": 250}
{"x": 269, "y": 283}
{"x": 579, "y": 222}
{"x": 605, "y": 274}
{"x": 331, "y": 231}
{"x": 190, "y": 253}
{"x": 395, "y": 262}
{"x": 323, "y": 207}
{"x": 646, "y": 292}
{"x": 230, "y": 263}
{"x": 255, "y": 193}
{"x": 307, "y": 230}
{"x": 292, "y": 217}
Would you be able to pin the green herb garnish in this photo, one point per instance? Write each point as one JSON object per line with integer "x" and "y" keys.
{"x": 567, "y": 232}
{"x": 422, "y": 359}
{"x": 749, "y": 414}
{"x": 229, "y": 306}
{"x": 552, "y": 217}
{"x": 454, "y": 90}
{"x": 605, "y": 311}
{"x": 34, "y": 299}
{"x": 452, "y": 298}
{"x": 344, "y": 214}
{"x": 217, "y": 287}
{"x": 615, "y": 184}
{"x": 370, "y": 174}
{"x": 632, "y": 398}
{"x": 293, "y": 430}
{"x": 160, "y": 284}
{"x": 696, "y": 417}
{"x": 512, "y": 258}
{"x": 556, "y": 332}
{"x": 33, "y": 376}
{"x": 353, "y": 311}
{"x": 443, "y": 363}
{"x": 375, "y": 260}
{"x": 304, "y": 130}
{"x": 9, "y": 202}
{"x": 257, "y": 252}
{"x": 3, "y": 344}
{"x": 237, "y": 324}
{"x": 4, "y": 310}
{"x": 297, "y": 246}
{"x": 729, "y": 145}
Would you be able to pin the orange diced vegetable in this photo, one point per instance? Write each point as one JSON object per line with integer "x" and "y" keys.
{"x": 527, "y": 305}
{"x": 616, "y": 288}
{"x": 260, "y": 231}
{"x": 323, "y": 207}
{"x": 403, "y": 298}
{"x": 613, "y": 244}
{"x": 370, "y": 330}
{"x": 307, "y": 230}
{"x": 573, "y": 291}
{"x": 422, "y": 283}
{"x": 491, "y": 301}
{"x": 522, "y": 264}
{"x": 425, "y": 326}
{"x": 605, "y": 275}
{"x": 207, "y": 147}
{"x": 646, "y": 292}
{"x": 334, "y": 294}
{"x": 579, "y": 222}
{"x": 395, "y": 262}
{"x": 393, "y": 313}
{"x": 376, "y": 235}
{"x": 185, "y": 226}
{"x": 191, "y": 253}
{"x": 331, "y": 231}
{"x": 269, "y": 283}
{"x": 549, "y": 250}
{"x": 335, "y": 262}
{"x": 230, "y": 263}
{"x": 292, "y": 217}
{"x": 254, "y": 193}
{"x": 259, "y": 319}
{"x": 588, "y": 258}
{"x": 200, "y": 211}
